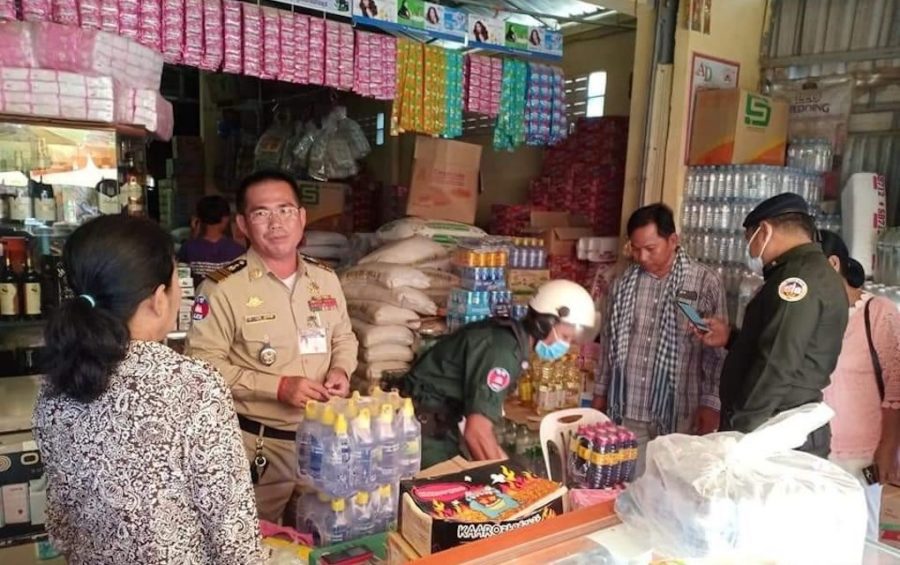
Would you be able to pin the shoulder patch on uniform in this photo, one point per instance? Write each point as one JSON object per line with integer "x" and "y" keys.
{"x": 498, "y": 379}
{"x": 793, "y": 289}
{"x": 317, "y": 263}
{"x": 220, "y": 275}
{"x": 200, "y": 309}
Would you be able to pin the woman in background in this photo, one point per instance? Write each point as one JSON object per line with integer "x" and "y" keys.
{"x": 865, "y": 431}
{"x": 141, "y": 445}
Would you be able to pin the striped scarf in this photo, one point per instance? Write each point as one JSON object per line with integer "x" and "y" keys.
{"x": 662, "y": 392}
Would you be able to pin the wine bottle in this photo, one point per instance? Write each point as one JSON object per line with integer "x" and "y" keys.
{"x": 10, "y": 306}
{"x": 31, "y": 288}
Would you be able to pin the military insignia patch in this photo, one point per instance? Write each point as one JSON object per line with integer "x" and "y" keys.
{"x": 793, "y": 289}
{"x": 498, "y": 379}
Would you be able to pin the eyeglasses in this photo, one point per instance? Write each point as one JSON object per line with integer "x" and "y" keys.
{"x": 264, "y": 216}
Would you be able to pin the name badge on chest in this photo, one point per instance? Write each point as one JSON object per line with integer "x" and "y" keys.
{"x": 313, "y": 341}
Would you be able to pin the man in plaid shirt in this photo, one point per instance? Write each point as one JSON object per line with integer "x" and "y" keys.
{"x": 656, "y": 377}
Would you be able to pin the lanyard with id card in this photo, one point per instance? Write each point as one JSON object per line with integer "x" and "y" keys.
{"x": 314, "y": 338}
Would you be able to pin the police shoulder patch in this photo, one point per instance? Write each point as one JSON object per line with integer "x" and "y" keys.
{"x": 498, "y": 379}
{"x": 200, "y": 309}
{"x": 220, "y": 275}
{"x": 793, "y": 289}
{"x": 316, "y": 263}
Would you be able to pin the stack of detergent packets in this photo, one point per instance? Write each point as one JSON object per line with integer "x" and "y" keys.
{"x": 354, "y": 452}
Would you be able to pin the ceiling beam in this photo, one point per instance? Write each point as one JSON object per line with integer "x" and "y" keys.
{"x": 590, "y": 19}
{"x": 623, "y": 6}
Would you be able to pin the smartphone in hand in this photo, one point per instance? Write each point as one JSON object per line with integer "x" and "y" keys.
{"x": 693, "y": 316}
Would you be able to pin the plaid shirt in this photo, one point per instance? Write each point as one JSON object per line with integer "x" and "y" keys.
{"x": 699, "y": 367}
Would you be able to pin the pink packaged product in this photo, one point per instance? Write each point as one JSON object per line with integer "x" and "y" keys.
{"x": 193, "y": 33}
{"x": 36, "y": 10}
{"x": 288, "y": 53}
{"x": 129, "y": 14}
{"x": 64, "y": 48}
{"x": 7, "y": 10}
{"x": 109, "y": 16}
{"x": 172, "y": 30}
{"x": 483, "y": 81}
{"x": 150, "y": 24}
{"x": 89, "y": 13}
{"x": 65, "y": 12}
{"x": 362, "y": 75}
{"x": 153, "y": 112}
{"x": 316, "y": 51}
{"x": 231, "y": 32}
{"x": 123, "y": 104}
{"x": 214, "y": 42}
{"x": 389, "y": 64}
{"x": 375, "y": 68}
{"x": 301, "y": 49}
{"x": 346, "y": 60}
{"x": 16, "y": 45}
{"x": 252, "y": 40}
{"x": 271, "y": 42}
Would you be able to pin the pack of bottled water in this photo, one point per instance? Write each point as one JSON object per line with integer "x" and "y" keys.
{"x": 355, "y": 452}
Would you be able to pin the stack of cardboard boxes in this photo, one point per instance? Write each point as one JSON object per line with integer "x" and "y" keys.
{"x": 184, "y": 183}
{"x": 186, "y": 284}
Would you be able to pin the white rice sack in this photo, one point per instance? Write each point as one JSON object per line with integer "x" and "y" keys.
{"x": 325, "y": 251}
{"x": 374, "y": 371}
{"x": 386, "y": 275}
{"x": 402, "y": 296}
{"x": 370, "y": 336}
{"x": 436, "y": 264}
{"x": 442, "y": 231}
{"x": 381, "y": 314}
{"x": 440, "y": 279}
{"x": 440, "y": 296}
{"x": 416, "y": 249}
{"x": 386, "y": 352}
{"x": 315, "y": 238}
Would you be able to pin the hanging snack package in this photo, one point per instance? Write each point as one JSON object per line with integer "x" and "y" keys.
{"x": 301, "y": 49}
{"x": 66, "y": 11}
{"x": 559, "y": 127}
{"x": 288, "y": 53}
{"x": 272, "y": 142}
{"x": 434, "y": 103}
{"x": 234, "y": 54}
{"x": 509, "y": 132}
{"x": 346, "y": 56}
{"x": 172, "y": 30}
{"x": 253, "y": 38}
{"x": 389, "y": 66}
{"x": 316, "y": 51}
{"x": 88, "y": 13}
{"x": 193, "y": 32}
{"x": 109, "y": 16}
{"x": 332, "y": 53}
{"x": 453, "y": 100}
{"x": 271, "y": 42}
{"x": 36, "y": 10}
{"x": 129, "y": 13}
{"x": 150, "y": 24}
{"x": 213, "y": 40}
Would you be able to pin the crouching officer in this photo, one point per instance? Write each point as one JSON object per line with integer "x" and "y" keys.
{"x": 793, "y": 328}
{"x": 468, "y": 373}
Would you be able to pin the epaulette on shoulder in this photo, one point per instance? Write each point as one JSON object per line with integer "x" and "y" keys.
{"x": 220, "y": 275}
{"x": 317, "y": 263}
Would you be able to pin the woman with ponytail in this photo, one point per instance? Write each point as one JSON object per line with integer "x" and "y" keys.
{"x": 865, "y": 385}
{"x": 140, "y": 444}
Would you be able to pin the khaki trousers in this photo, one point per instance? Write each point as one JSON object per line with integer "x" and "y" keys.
{"x": 279, "y": 483}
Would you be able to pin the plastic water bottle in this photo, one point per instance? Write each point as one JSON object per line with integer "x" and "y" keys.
{"x": 322, "y": 436}
{"x": 337, "y": 523}
{"x": 336, "y": 466}
{"x": 314, "y": 523}
{"x": 410, "y": 431}
{"x": 362, "y": 443}
{"x": 387, "y": 449}
{"x": 362, "y": 519}
{"x": 385, "y": 509}
{"x": 305, "y": 432}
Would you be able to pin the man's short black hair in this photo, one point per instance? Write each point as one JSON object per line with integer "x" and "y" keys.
{"x": 263, "y": 175}
{"x": 211, "y": 210}
{"x": 794, "y": 222}
{"x": 658, "y": 214}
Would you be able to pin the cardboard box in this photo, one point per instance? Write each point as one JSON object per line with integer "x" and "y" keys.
{"x": 23, "y": 490}
{"x": 324, "y": 203}
{"x": 559, "y": 230}
{"x": 737, "y": 127}
{"x": 428, "y": 505}
{"x": 399, "y": 551}
{"x": 526, "y": 281}
{"x": 444, "y": 183}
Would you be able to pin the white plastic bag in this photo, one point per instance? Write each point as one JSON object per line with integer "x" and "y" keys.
{"x": 748, "y": 497}
{"x": 442, "y": 231}
{"x": 402, "y": 296}
{"x": 370, "y": 336}
{"x": 387, "y": 275}
{"x": 416, "y": 249}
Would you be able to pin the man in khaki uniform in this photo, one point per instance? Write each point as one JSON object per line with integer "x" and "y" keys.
{"x": 275, "y": 324}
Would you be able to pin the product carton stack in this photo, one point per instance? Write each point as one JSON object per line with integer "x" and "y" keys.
{"x": 482, "y": 266}
{"x": 184, "y": 183}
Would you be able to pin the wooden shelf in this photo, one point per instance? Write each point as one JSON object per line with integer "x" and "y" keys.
{"x": 123, "y": 129}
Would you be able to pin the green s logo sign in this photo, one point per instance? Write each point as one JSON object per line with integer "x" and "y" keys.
{"x": 758, "y": 112}
{"x": 309, "y": 195}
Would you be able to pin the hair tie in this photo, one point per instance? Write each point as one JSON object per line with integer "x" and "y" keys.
{"x": 90, "y": 299}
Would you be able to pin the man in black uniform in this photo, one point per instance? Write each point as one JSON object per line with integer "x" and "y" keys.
{"x": 791, "y": 337}
{"x": 468, "y": 373}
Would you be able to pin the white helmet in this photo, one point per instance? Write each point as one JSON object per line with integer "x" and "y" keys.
{"x": 566, "y": 300}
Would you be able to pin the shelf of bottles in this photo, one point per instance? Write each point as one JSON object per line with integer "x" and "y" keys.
{"x": 716, "y": 201}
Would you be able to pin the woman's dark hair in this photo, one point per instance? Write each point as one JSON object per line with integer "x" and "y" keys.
{"x": 659, "y": 215}
{"x": 113, "y": 263}
{"x": 538, "y": 325}
{"x": 851, "y": 269}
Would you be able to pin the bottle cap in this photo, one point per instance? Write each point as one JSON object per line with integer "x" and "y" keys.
{"x": 362, "y": 497}
{"x": 328, "y": 416}
{"x": 387, "y": 414}
{"x": 312, "y": 410}
{"x": 340, "y": 425}
{"x": 364, "y": 418}
{"x": 338, "y": 504}
{"x": 408, "y": 408}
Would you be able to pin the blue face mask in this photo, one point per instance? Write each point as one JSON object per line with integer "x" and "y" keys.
{"x": 552, "y": 352}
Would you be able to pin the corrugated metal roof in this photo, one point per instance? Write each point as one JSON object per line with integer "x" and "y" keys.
{"x": 551, "y": 13}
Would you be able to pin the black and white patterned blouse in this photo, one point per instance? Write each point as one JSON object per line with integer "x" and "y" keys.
{"x": 151, "y": 472}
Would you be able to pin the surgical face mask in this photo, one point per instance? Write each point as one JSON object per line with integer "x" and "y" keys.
{"x": 552, "y": 352}
{"x": 755, "y": 264}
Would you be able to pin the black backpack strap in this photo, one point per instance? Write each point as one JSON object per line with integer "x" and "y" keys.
{"x": 876, "y": 364}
